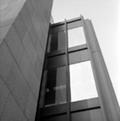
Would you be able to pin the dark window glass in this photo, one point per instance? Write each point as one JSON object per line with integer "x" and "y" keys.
{"x": 56, "y": 41}
{"x": 56, "y": 86}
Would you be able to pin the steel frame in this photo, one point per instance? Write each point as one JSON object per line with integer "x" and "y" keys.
{"x": 108, "y": 102}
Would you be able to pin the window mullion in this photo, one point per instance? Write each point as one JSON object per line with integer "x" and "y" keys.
{"x": 68, "y": 94}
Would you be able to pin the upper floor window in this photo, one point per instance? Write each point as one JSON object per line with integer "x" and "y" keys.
{"x": 82, "y": 81}
{"x": 76, "y": 37}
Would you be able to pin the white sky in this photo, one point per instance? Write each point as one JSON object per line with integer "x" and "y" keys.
{"x": 105, "y": 16}
{"x": 82, "y": 81}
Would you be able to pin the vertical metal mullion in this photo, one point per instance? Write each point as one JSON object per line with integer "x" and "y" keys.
{"x": 68, "y": 94}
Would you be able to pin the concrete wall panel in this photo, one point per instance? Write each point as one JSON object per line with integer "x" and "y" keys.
{"x": 21, "y": 61}
{"x": 12, "y": 111}
{"x": 4, "y": 92}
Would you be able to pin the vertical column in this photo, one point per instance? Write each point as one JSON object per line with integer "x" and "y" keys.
{"x": 106, "y": 93}
{"x": 41, "y": 96}
{"x": 68, "y": 95}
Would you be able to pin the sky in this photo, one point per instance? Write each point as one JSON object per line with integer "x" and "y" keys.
{"x": 105, "y": 16}
{"x": 82, "y": 82}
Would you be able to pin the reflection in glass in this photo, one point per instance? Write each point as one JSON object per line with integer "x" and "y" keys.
{"x": 82, "y": 81}
{"x": 56, "y": 41}
{"x": 56, "y": 86}
{"x": 76, "y": 37}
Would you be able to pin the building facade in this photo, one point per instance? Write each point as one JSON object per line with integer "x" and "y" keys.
{"x": 36, "y": 62}
{"x": 22, "y": 51}
{"x": 75, "y": 81}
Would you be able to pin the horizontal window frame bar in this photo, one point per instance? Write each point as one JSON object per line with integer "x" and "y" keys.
{"x": 78, "y": 106}
{"x": 67, "y": 21}
{"x": 74, "y": 57}
{"x": 61, "y": 27}
{"x": 70, "y": 50}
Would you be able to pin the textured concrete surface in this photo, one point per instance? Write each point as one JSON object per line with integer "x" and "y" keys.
{"x": 9, "y": 9}
{"x": 21, "y": 60}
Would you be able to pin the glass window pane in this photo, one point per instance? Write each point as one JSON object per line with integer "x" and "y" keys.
{"x": 82, "y": 81}
{"x": 76, "y": 37}
{"x": 56, "y": 86}
{"x": 56, "y": 41}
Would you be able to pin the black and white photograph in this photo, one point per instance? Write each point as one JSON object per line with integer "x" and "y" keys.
{"x": 59, "y": 60}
